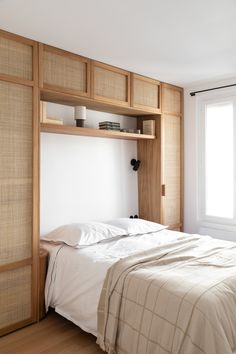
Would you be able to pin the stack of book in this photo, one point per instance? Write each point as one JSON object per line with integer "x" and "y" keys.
{"x": 149, "y": 127}
{"x": 109, "y": 125}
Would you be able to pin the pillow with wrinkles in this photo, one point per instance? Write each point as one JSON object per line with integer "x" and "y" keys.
{"x": 83, "y": 234}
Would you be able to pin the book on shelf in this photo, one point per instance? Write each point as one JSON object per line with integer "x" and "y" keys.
{"x": 109, "y": 125}
{"x": 43, "y": 115}
{"x": 149, "y": 127}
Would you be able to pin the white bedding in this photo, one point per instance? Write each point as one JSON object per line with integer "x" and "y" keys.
{"x": 75, "y": 276}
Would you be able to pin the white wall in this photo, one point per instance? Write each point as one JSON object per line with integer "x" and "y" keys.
{"x": 191, "y": 223}
{"x": 86, "y": 178}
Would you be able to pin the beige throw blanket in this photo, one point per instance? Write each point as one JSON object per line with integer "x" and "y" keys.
{"x": 179, "y": 298}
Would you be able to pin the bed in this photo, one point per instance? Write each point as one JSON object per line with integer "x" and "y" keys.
{"x": 159, "y": 292}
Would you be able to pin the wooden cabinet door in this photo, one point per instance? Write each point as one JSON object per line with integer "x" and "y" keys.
{"x": 145, "y": 93}
{"x": 110, "y": 84}
{"x": 64, "y": 72}
{"x": 171, "y": 157}
{"x": 16, "y": 199}
{"x": 171, "y": 170}
{"x": 172, "y": 100}
{"x": 16, "y": 57}
{"x": 18, "y": 177}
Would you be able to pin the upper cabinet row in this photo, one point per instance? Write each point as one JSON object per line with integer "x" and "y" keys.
{"x": 65, "y": 72}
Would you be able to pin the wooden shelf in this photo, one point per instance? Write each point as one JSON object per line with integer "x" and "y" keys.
{"x": 73, "y": 100}
{"x": 71, "y": 130}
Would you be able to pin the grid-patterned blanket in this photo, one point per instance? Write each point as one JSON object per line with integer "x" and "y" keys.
{"x": 179, "y": 298}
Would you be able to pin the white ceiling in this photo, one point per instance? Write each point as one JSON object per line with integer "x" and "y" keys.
{"x": 177, "y": 41}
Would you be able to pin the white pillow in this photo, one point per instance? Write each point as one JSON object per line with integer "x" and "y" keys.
{"x": 83, "y": 234}
{"x": 136, "y": 226}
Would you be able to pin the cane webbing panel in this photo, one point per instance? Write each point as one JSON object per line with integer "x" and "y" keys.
{"x": 110, "y": 84}
{"x": 172, "y": 169}
{"x": 15, "y": 296}
{"x": 15, "y": 222}
{"x": 145, "y": 93}
{"x": 16, "y": 59}
{"x": 15, "y": 131}
{"x": 15, "y": 172}
{"x": 60, "y": 70}
{"x": 171, "y": 101}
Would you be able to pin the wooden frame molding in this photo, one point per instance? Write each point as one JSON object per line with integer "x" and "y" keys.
{"x": 98, "y": 133}
{"x": 114, "y": 70}
{"x": 15, "y": 265}
{"x": 151, "y": 109}
{"x": 97, "y": 105}
{"x": 179, "y": 115}
{"x": 43, "y": 48}
{"x": 29, "y": 42}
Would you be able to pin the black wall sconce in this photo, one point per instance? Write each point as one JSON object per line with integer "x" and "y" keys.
{"x": 135, "y": 163}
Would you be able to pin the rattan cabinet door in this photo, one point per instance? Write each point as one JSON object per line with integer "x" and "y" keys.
{"x": 16, "y": 58}
{"x": 64, "y": 72}
{"x": 171, "y": 156}
{"x": 171, "y": 170}
{"x": 110, "y": 84}
{"x": 171, "y": 100}
{"x": 16, "y": 165}
{"x": 145, "y": 93}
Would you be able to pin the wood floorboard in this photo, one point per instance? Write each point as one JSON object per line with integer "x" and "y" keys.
{"x": 52, "y": 335}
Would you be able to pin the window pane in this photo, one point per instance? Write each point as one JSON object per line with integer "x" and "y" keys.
{"x": 219, "y": 160}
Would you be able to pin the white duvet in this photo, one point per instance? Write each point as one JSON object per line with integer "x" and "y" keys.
{"x": 75, "y": 276}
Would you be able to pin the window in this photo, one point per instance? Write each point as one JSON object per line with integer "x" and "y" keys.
{"x": 217, "y": 160}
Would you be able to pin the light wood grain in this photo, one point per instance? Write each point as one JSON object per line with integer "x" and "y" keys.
{"x": 15, "y": 265}
{"x": 172, "y": 156}
{"x": 73, "y": 100}
{"x": 16, "y": 59}
{"x": 36, "y": 201}
{"x": 15, "y": 296}
{"x": 160, "y": 178}
{"x": 64, "y": 72}
{"x": 171, "y": 169}
{"x": 99, "y": 133}
{"x": 43, "y": 265}
{"x": 19, "y": 178}
{"x": 172, "y": 97}
{"x": 149, "y": 177}
{"x": 110, "y": 84}
{"x": 145, "y": 93}
{"x": 52, "y": 335}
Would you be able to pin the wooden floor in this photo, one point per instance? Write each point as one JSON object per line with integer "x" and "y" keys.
{"x": 52, "y": 335}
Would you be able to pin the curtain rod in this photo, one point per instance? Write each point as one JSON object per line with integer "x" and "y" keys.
{"x": 211, "y": 89}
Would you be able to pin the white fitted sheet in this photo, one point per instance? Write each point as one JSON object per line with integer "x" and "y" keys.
{"x": 75, "y": 276}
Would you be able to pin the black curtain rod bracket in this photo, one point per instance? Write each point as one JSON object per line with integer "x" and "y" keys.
{"x": 211, "y": 89}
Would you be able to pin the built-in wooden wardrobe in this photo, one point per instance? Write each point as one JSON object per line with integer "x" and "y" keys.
{"x": 30, "y": 72}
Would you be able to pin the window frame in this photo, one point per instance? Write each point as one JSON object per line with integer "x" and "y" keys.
{"x": 229, "y": 95}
